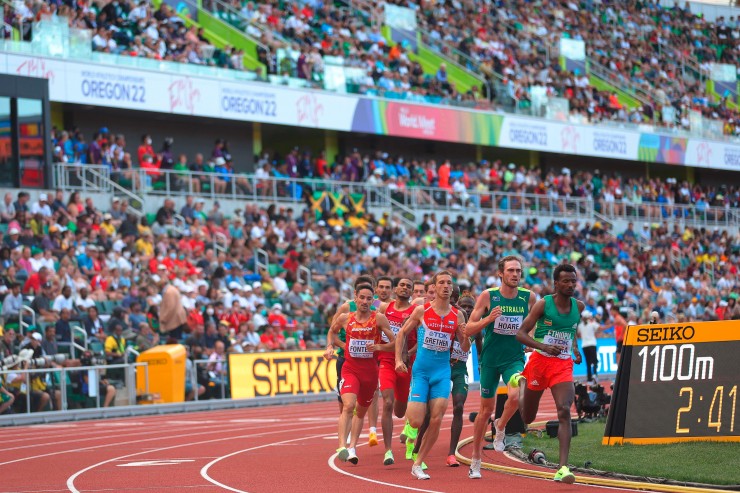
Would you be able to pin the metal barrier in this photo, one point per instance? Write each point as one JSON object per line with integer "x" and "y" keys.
{"x": 304, "y": 274}
{"x": 129, "y": 379}
{"x": 222, "y": 384}
{"x": 22, "y": 325}
{"x": 688, "y": 215}
{"x": 259, "y": 263}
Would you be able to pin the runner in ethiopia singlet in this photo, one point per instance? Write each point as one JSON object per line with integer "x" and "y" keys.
{"x": 431, "y": 376}
{"x": 556, "y": 329}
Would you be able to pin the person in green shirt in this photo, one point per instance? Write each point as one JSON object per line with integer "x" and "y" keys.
{"x": 499, "y": 312}
{"x": 555, "y": 319}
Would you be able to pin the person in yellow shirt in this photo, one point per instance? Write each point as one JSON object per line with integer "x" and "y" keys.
{"x": 107, "y": 225}
{"x": 115, "y": 346}
{"x": 144, "y": 245}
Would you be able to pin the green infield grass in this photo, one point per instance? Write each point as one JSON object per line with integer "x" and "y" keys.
{"x": 700, "y": 462}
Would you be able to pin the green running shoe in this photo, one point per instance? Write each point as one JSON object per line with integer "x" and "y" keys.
{"x": 423, "y": 465}
{"x": 388, "y": 460}
{"x": 409, "y": 448}
{"x": 565, "y": 476}
{"x": 343, "y": 454}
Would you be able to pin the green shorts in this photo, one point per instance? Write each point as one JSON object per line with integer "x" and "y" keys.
{"x": 490, "y": 375}
{"x": 459, "y": 378}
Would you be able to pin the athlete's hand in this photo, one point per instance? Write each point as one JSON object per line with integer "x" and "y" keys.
{"x": 577, "y": 357}
{"x": 329, "y": 353}
{"x": 495, "y": 313}
{"x": 552, "y": 350}
{"x": 372, "y": 347}
{"x": 528, "y": 349}
{"x": 401, "y": 366}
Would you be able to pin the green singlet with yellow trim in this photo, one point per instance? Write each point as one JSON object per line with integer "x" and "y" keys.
{"x": 558, "y": 329}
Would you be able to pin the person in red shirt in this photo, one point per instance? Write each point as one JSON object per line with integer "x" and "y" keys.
{"x": 146, "y": 149}
{"x": 35, "y": 281}
{"x": 444, "y": 175}
{"x": 276, "y": 315}
{"x": 360, "y": 370}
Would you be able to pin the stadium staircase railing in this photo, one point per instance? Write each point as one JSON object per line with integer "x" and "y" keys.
{"x": 410, "y": 204}
{"x": 221, "y": 33}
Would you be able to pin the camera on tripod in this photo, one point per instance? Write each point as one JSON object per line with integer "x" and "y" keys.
{"x": 592, "y": 401}
{"x": 88, "y": 358}
{"x": 25, "y": 358}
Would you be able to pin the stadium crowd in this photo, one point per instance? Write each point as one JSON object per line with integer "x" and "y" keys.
{"x": 110, "y": 271}
{"x": 647, "y": 46}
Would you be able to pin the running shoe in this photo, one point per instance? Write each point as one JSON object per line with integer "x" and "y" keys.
{"x": 423, "y": 465}
{"x": 474, "y": 471}
{"x": 343, "y": 454}
{"x": 409, "y": 448}
{"x": 452, "y": 461}
{"x": 419, "y": 473}
{"x": 352, "y": 457}
{"x": 514, "y": 380}
{"x": 498, "y": 441}
{"x": 388, "y": 460}
{"x": 404, "y": 433}
{"x": 411, "y": 433}
{"x": 372, "y": 439}
{"x": 565, "y": 476}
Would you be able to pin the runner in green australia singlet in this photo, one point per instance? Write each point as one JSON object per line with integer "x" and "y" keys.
{"x": 499, "y": 312}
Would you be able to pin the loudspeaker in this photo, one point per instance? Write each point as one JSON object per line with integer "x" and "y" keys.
{"x": 516, "y": 423}
{"x": 552, "y": 428}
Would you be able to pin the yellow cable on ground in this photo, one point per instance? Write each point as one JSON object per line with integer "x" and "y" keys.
{"x": 580, "y": 479}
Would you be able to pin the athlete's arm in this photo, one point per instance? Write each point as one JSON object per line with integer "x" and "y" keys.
{"x": 383, "y": 307}
{"x": 332, "y": 340}
{"x": 411, "y": 324}
{"x": 344, "y": 308}
{"x": 460, "y": 332}
{"x": 576, "y": 352}
{"x": 384, "y": 326}
{"x": 476, "y": 323}
{"x": 538, "y": 310}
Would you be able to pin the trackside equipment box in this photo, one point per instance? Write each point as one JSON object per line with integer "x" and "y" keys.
{"x": 166, "y": 372}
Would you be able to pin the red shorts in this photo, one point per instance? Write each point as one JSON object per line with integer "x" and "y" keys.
{"x": 542, "y": 372}
{"x": 389, "y": 378}
{"x": 361, "y": 380}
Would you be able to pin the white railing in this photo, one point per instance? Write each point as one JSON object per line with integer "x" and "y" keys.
{"x": 414, "y": 200}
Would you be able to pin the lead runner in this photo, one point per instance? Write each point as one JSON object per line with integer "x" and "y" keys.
{"x": 551, "y": 365}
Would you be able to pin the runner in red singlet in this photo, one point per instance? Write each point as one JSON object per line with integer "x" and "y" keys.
{"x": 394, "y": 386}
{"x": 363, "y": 330}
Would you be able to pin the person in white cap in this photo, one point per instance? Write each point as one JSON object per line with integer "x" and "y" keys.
{"x": 7, "y": 209}
{"x": 42, "y": 206}
{"x": 587, "y": 330}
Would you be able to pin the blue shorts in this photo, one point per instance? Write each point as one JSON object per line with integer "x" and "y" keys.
{"x": 429, "y": 383}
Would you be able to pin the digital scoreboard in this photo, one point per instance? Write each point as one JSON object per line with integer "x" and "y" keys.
{"x": 677, "y": 382}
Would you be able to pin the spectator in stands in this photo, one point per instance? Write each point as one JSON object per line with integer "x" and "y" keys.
{"x": 12, "y": 304}
{"x": 115, "y": 345}
{"x": 41, "y": 304}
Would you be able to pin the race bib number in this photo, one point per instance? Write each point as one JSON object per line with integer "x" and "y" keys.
{"x": 507, "y": 325}
{"x": 358, "y": 348}
{"x": 394, "y": 327}
{"x": 435, "y": 340}
{"x": 458, "y": 353}
{"x": 562, "y": 341}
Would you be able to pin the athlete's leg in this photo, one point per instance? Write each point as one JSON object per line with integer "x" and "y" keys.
{"x": 349, "y": 401}
{"x": 387, "y": 418}
{"x": 437, "y": 409}
{"x": 458, "y": 405}
{"x": 529, "y": 403}
{"x": 489, "y": 378}
{"x": 357, "y": 421}
{"x": 415, "y": 413}
{"x": 512, "y": 399}
{"x": 420, "y": 433}
{"x": 372, "y": 418}
{"x": 563, "y": 393}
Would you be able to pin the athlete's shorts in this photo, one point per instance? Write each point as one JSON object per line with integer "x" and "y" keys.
{"x": 542, "y": 372}
{"x": 490, "y": 375}
{"x": 389, "y": 378}
{"x": 361, "y": 381}
{"x": 339, "y": 363}
{"x": 429, "y": 384}
{"x": 459, "y": 378}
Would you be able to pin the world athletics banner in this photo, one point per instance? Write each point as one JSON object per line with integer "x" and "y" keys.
{"x": 137, "y": 89}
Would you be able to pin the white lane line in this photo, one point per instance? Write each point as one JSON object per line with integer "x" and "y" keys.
{"x": 71, "y": 480}
{"x": 204, "y": 470}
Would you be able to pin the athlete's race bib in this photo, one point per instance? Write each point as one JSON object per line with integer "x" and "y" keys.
{"x": 458, "y": 353}
{"x": 561, "y": 340}
{"x": 435, "y": 340}
{"x": 358, "y": 348}
{"x": 507, "y": 325}
{"x": 394, "y": 327}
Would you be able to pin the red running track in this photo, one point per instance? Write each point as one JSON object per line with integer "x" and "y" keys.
{"x": 267, "y": 449}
